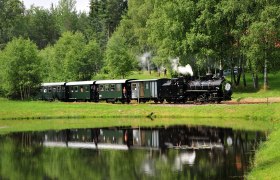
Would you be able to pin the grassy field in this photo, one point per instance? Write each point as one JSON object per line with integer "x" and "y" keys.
{"x": 45, "y": 110}
{"x": 249, "y": 91}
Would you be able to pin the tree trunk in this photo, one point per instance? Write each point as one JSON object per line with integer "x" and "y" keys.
{"x": 265, "y": 81}
{"x": 257, "y": 82}
{"x": 254, "y": 80}
{"x": 244, "y": 78}
{"x": 239, "y": 71}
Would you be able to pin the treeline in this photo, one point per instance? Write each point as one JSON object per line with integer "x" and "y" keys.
{"x": 61, "y": 44}
{"x": 57, "y": 44}
{"x": 234, "y": 33}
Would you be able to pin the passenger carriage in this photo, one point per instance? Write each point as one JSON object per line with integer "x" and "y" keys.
{"x": 53, "y": 91}
{"x": 82, "y": 91}
{"x": 114, "y": 90}
{"x": 147, "y": 90}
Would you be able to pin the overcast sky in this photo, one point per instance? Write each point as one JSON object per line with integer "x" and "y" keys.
{"x": 81, "y": 5}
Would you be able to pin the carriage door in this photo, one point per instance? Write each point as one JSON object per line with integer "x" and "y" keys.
{"x": 153, "y": 89}
{"x": 134, "y": 90}
{"x": 142, "y": 88}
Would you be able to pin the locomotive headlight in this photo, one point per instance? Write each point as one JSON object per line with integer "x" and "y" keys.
{"x": 227, "y": 87}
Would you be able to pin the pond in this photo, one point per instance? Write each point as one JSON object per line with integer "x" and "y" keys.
{"x": 172, "y": 152}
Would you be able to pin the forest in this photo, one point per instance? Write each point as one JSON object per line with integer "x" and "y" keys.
{"x": 61, "y": 44}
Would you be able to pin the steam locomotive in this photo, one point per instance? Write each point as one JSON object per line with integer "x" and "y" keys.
{"x": 176, "y": 90}
{"x": 183, "y": 89}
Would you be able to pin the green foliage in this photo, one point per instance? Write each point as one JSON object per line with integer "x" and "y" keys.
{"x": 167, "y": 27}
{"x": 47, "y": 56}
{"x": 104, "y": 17}
{"x": 11, "y": 20}
{"x": 263, "y": 35}
{"x": 119, "y": 60}
{"x": 243, "y": 34}
{"x": 71, "y": 59}
{"x": 91, "y": 60}
{"x": 42, "y": 26}
{"x": 21, "y": 68}
{"x": 66, "y": 15}
{"x": 67, "y": 55}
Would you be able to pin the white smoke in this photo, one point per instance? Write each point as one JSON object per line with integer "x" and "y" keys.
{"x": 144, "y": 60}
{"x": 184, "y": 70}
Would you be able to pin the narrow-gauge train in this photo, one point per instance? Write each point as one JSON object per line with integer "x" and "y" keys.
{"x": 175, "y": 90}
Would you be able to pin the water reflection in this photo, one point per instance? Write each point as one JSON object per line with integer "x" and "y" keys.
{"x": 128, "y": 153}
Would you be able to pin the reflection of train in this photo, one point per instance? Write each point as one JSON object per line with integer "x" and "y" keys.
{"x": 182, "y": 90}
{"x": 191, "y": 138}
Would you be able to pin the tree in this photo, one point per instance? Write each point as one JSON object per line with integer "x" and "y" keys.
{"x": 48, "y": 70}
{"x": 91, "y": 60}
{"x": 167, "y": 27}
{"x": 104, "y": 18}
{"x": 262, "y": 38}
{"x": 42, "y": 27}
{"x": 11, "y": 20}
{"x": 119, "y": 60}
{"x": 67, "y": 56}
{"x": 71, "y": 59}
{"x": 21, "y": 69}
{"x": 66, "y": 15}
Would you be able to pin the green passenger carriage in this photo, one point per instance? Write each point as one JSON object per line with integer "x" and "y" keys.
{"x": 114, "y": 90}
{"x": 53, "y": 91}
{"x": 81, "y": 91}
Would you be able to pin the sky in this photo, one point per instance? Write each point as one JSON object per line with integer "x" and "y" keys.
{"x": 81, "y": 5}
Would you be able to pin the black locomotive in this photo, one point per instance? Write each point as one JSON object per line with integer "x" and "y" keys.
{"x": 176, "y": 90}
{"x": 184, "y": 89}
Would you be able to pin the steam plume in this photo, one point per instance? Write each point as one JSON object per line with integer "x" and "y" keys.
{"x": 184, "y": 70}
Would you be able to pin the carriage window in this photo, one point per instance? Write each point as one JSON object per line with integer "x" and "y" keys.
{"x": 101, "y": 87}
{"x": 118, "y": 87}
{"x": 112, "y": 87}
{"x": 62, "y": 89}
{"x": 54, "y": 89}
{"x": 50, "y": 89}
{"x": 58, "y": 88}
{"x": 81, "y": 88}
{"x": 134, "y": 86}
{"x": 45, "y": 90}
{"x": 71, "y": 88}
{"x": 86, "y": 88}
{"x": 76, "y": 88}
{"x": 106, "y": 87}
{"x": 147, "y": 86}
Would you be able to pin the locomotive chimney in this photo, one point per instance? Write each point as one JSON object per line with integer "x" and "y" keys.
{"x": 209, "y": 74}
{"x": 221, "y": 70}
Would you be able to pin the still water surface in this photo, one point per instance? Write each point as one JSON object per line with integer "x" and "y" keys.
{"x": 177, "y": 152}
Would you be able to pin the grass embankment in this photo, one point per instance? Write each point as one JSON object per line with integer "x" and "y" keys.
{"x": 45, "y": 110}
{"x": 37, "y": 115}
{"x": 267, "y": 159}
